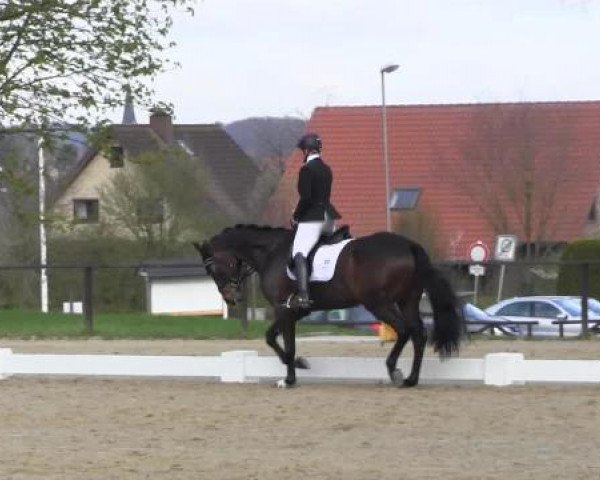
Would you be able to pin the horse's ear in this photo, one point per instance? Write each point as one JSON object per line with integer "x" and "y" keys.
{"x": 203, "y": 249}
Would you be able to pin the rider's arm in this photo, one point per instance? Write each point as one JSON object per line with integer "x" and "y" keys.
{"x": 304, "y": 191}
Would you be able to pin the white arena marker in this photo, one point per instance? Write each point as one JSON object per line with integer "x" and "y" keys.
{"x": 502, "y": 369}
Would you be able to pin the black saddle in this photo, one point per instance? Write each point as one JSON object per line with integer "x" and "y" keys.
{"x": 342, "y": 233}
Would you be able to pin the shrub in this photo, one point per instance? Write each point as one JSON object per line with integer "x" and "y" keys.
{"x": 569, "y": 276}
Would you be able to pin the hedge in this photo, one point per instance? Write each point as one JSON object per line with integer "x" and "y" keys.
{"x": 569, "y": 277}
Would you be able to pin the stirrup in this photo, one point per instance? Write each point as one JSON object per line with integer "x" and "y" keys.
{"x": 293, "y": 301}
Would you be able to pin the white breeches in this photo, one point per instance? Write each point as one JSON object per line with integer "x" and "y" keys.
{"x": 308, "y": 234}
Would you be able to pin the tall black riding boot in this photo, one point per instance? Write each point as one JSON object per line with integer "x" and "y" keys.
{"x": 301, "y": 300}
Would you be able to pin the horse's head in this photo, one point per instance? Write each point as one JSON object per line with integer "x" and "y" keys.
{"x": 227, "y": 271}
{"x": 232, "y": 255}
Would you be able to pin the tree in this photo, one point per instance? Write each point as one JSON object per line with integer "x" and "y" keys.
{"x": 419, "y": 225}
{"x": 159, "y": 202}
{"x": 19, "y": 201}
{"x": 67, "y": 60}
{"x": 19, "y": 175}
{"x": 513, "y": 167}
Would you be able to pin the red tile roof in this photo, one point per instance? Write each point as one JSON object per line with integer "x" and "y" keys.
{"x": 428, "y": 145}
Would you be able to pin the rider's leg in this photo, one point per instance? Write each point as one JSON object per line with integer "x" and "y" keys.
{"x": 306, "y": 237}
{"x": 302, "y": 299}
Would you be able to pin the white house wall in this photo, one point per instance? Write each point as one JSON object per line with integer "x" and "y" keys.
{"x": 96, "y": 175}
{"x": 179, "y": 296}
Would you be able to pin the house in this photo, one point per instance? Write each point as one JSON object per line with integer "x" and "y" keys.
{"x": 180, "y": 286}
{"x": 468, "y": 172}
{"x": 231, "y": 174}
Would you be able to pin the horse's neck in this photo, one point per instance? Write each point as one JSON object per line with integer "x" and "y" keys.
{"x": 260, "y": 249}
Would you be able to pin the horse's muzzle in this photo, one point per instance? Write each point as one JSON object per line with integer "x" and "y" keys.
{"x": 231, "y": 296}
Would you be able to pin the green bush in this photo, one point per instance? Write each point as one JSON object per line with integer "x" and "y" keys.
{"x": 569, "y": 276}
{"x": 117, "y": 286}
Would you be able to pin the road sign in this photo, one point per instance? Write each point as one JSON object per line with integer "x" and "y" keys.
{"x": 506, "y": 248}
{"x": 477, "y": 270}
{"x": 479, "y": 252}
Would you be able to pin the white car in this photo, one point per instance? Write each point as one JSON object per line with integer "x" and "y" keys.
{"x": 545, "y": 310}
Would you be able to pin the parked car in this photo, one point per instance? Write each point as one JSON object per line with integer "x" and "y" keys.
{"x": 355, "y": 317}
{"x": 476, "y": 315}
{"x": 478, "y": 319}
{"x": 593, "y": 305}
{"x": 545, "y": 310}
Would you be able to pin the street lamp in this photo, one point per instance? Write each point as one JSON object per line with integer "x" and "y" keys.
{"x": 386, "y": 69}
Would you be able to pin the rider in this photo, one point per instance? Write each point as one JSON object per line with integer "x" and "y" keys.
{"x": 314, "y": 213}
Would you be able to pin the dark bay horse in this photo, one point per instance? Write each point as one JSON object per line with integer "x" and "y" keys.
{"x": 385, "y": 272}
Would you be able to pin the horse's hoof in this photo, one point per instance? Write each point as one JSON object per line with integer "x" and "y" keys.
{"x": 302, "y": 363}
{"x": 397, "y": 377}
{"x": 409, "y": 382}
{"x": 283, "y": 384}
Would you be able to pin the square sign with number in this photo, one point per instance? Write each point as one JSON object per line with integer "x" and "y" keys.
{"x": 506, "y": 248}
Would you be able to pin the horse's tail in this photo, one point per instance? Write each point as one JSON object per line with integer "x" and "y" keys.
{"x": 448, "y": 321}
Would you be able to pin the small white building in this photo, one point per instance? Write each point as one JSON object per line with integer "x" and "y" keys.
{"x": 181, "y": 286}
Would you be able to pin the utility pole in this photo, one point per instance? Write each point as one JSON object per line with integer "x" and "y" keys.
{"x": 42, "y": 204}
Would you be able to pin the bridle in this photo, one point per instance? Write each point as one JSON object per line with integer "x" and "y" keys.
{"x": 244, "y": 270}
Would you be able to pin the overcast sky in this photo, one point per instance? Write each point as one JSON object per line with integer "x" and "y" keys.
{"x": 243, "y": 58}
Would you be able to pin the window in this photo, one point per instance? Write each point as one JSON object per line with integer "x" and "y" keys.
{"x": 115, "y": 156}
{"x": 593, "y": 214}
{"x": 86, "y": 210}
{"x": 405, "y": 198}
{"x": 518, "y": 309}
{"x": 545, "y": 310}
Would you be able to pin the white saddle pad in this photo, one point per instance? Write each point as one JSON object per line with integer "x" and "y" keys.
{"x": 324, "y": 262}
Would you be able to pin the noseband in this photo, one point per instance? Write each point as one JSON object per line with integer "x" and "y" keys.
{"x": 244, "y": 271}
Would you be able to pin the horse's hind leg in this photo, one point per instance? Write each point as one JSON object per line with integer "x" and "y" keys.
{"x": 392, "y": 315}
{"x": 418, "y": 336}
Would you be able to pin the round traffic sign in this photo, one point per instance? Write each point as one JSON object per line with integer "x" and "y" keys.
{"x": 479, "y": 252}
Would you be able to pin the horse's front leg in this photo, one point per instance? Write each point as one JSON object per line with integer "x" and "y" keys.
{"x": 283, "y": 319}
{"x": 271, "y": 339}
{"x": 288, "y": 330}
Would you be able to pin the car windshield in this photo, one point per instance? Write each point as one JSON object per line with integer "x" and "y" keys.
{"x": 474, "y": 313}
{"x": 593, "y": 306}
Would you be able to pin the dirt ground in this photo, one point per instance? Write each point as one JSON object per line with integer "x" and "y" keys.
{"x": 80, "y": 428}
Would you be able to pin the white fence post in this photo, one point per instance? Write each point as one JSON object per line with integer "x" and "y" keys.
{"x": 5, "y": 354}
{"x": 502, "y": 369}
{"x": 234, "y": 366}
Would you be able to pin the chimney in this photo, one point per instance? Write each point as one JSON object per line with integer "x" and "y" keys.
{"x": 162, "y": 124}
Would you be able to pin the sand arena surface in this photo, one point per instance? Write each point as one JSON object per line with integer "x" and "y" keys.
{"x": 183, "y": 429}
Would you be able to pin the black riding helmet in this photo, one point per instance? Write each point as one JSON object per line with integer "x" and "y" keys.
{"x": 311, "y": 142}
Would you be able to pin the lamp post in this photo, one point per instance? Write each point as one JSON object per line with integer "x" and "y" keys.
{"x": 386, "y": 69}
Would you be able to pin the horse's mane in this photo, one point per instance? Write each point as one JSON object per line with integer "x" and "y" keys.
{"x": 259, "y": 228}
{"x": 233, "y": 235}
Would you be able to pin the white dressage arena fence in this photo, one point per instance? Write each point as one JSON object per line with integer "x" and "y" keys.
{"x": 246, "y": 366}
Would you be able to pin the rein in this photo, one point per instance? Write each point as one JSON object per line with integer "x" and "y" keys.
{"x": 244, "y": 272}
